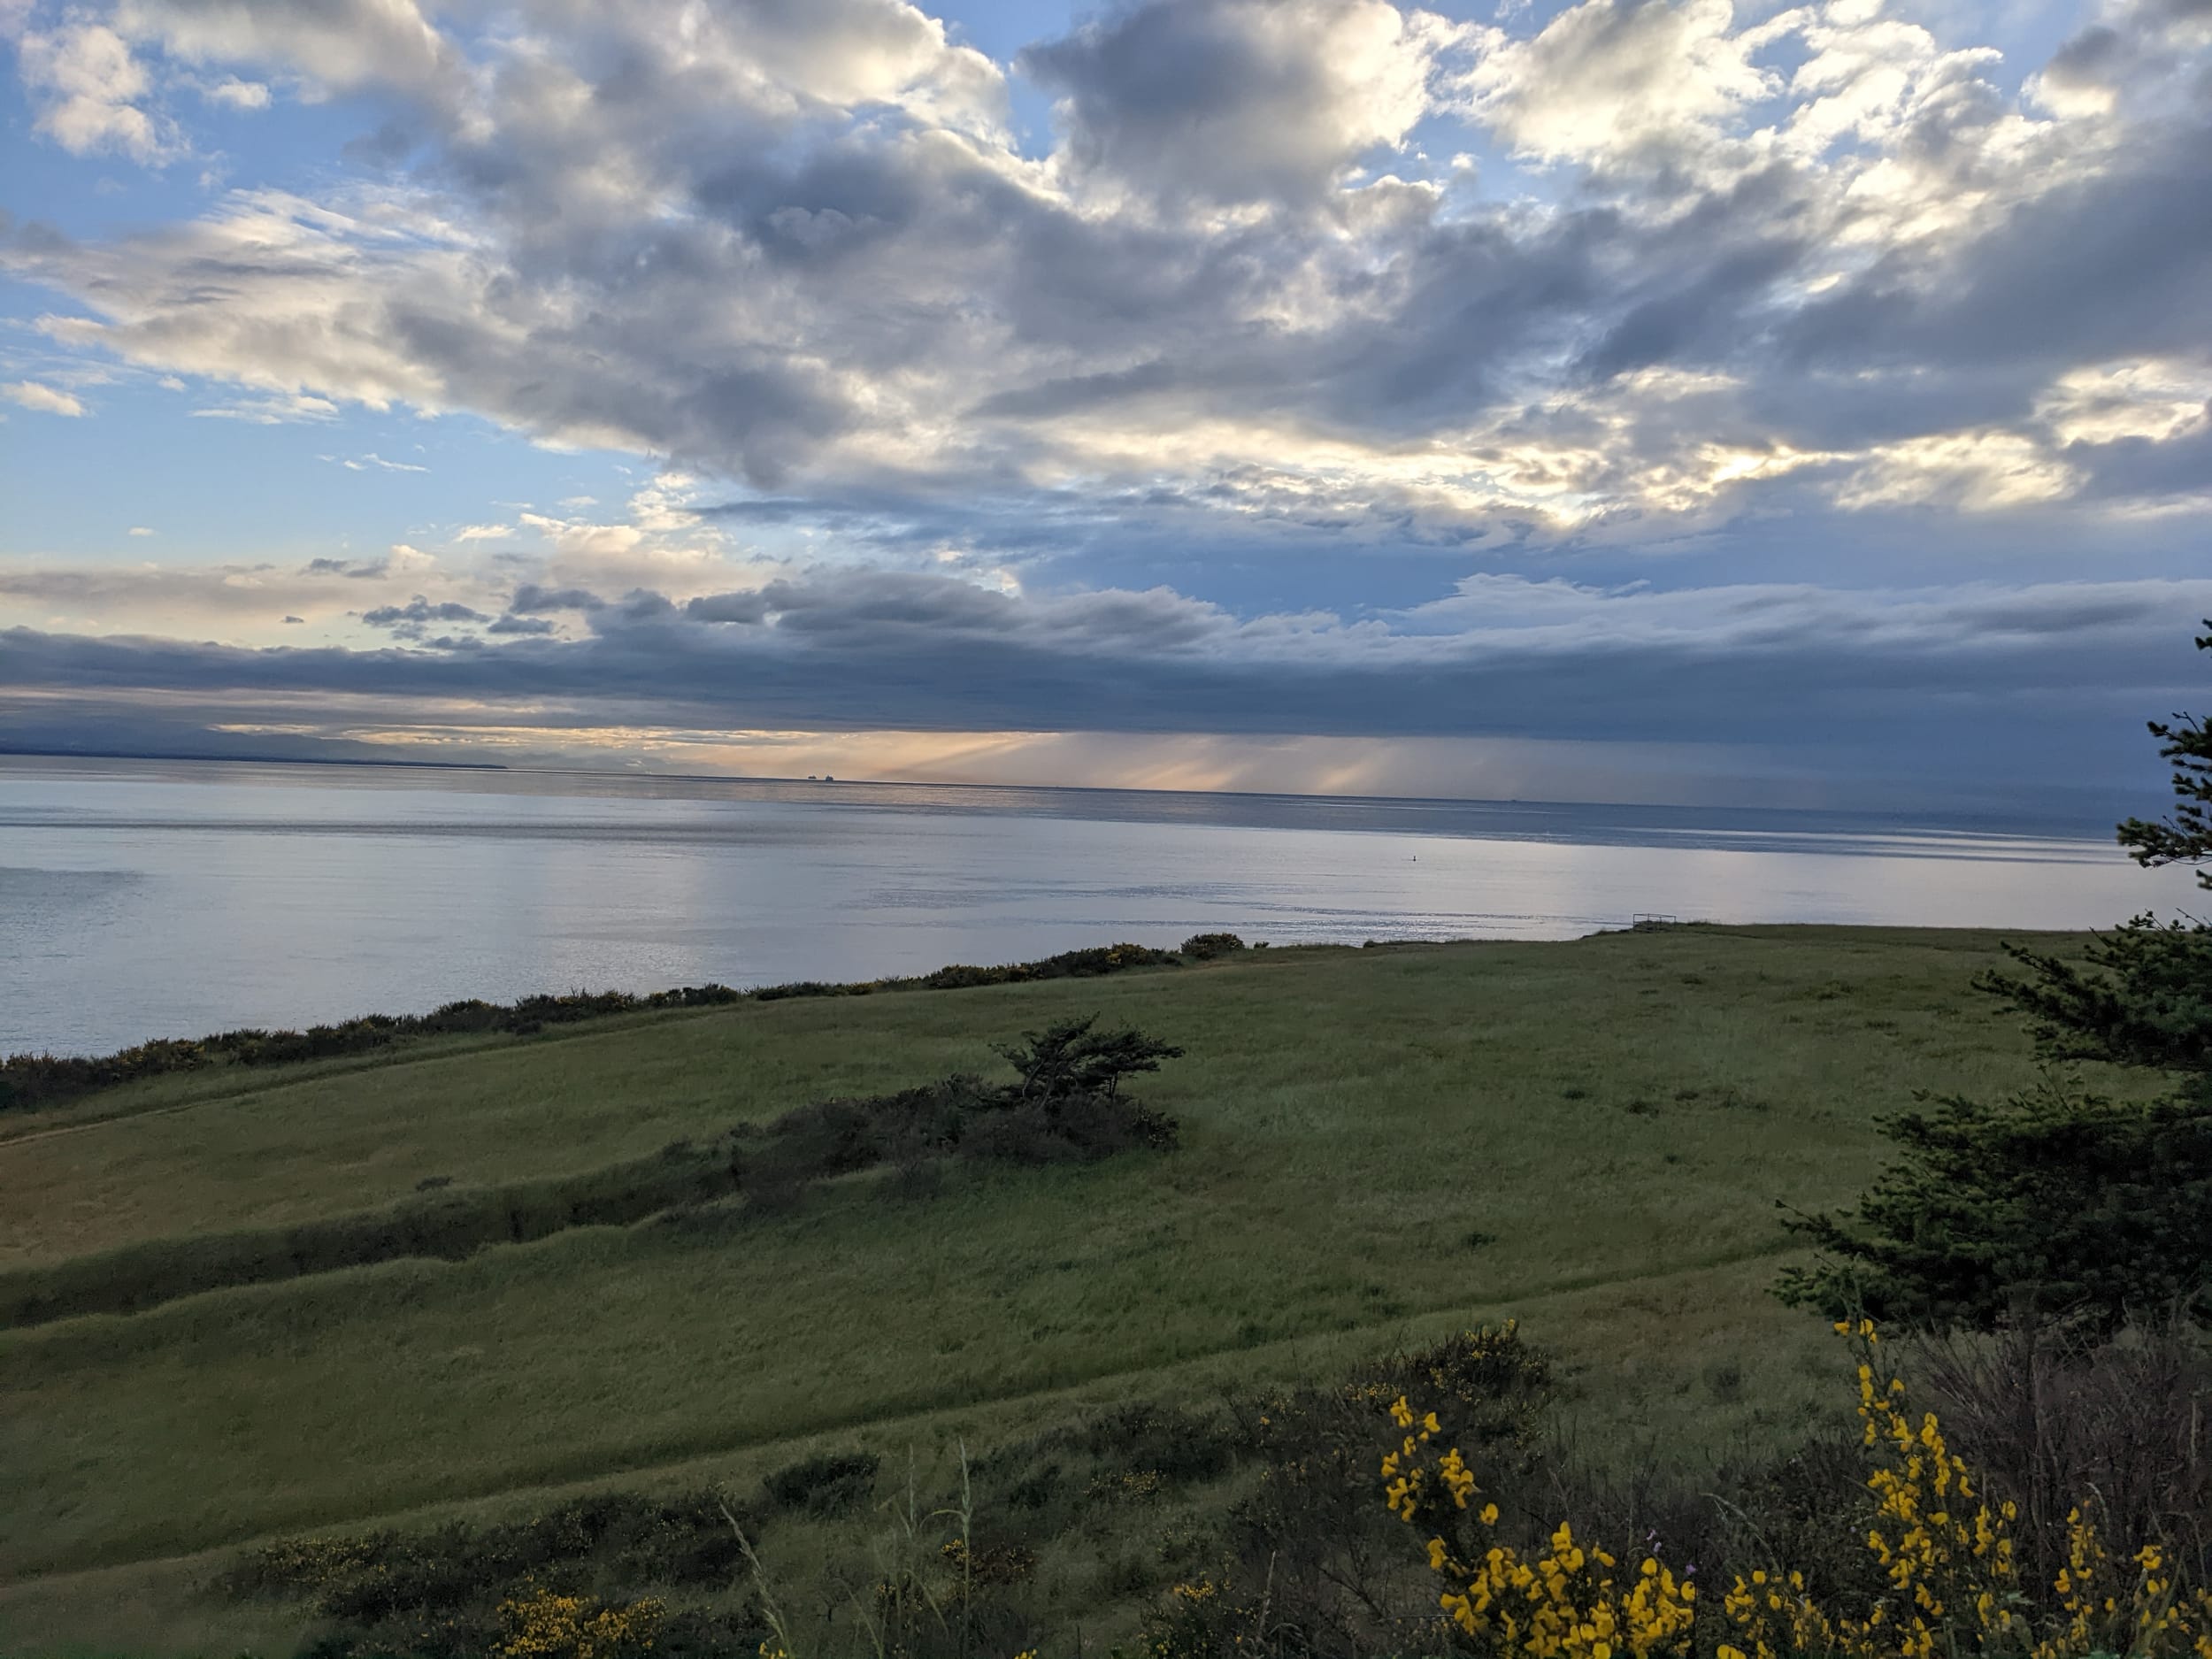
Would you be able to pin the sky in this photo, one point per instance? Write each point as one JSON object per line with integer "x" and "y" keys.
{"x": 1636, "y": 400}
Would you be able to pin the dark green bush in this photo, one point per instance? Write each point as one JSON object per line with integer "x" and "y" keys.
{"x": 434, "y": 1594}
{"x": 2052, "y": 1201}
{"x": 1206, "y": 947}
{"x": 829, "y": 1483}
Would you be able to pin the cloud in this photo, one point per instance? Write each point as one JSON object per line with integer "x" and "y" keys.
{"x": 279, "y": 410}
{"x": 47, "y": 400}
{"x": 233, "y": 93}
{"x": 1238, "y": 100}
{"x": 343, "y": 45}
{"x": 1616, "y": 82}
{"x": 413, "y": 620}
{"x": 1793, "y": 314}
{"x": 530, "y": 598}
{"x": 139, "y": 529}
{"x": 87, "y": 87}
{"x": 362, "y": 464}
{"x": 800, "y": 252}
{"x": 1501, "y": 656}
{"x": 357, "y": 570}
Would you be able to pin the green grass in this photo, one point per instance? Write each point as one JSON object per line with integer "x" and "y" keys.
{"x": 1619, "y": 1115}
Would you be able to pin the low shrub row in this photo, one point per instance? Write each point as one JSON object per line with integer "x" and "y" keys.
{"x": 466, "y": 1591}
{"x": 32, "y": 1082}
{"x": 447, "y": 1223}
{"x": 1065, "y": 1104}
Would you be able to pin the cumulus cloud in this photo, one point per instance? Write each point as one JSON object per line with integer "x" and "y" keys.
{"x": 341, "y": 44}
{"x": 89, "y": 90}
{"x": 697, "y": 234}
{"x": 1238, "y": 100}
{"x": 233, "y": 93}
{"x": 1615, "y": 81}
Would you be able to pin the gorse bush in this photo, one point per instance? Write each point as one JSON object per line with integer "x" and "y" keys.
{"x": 1944, "y": 1544}
{"x": 2048, "y": 1413}
{"x": 543, "y": 1625}
{"x": 557, "y": 1580}
{"x": 1305, "y": 1561}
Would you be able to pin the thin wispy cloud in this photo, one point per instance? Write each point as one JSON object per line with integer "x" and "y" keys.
{"x": 45, "y": 400}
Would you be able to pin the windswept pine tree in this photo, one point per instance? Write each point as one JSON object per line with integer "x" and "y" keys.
{"x": 2060, "y": 1201}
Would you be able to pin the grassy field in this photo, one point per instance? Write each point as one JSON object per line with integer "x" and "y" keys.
{"x": 1378, "y": 1144}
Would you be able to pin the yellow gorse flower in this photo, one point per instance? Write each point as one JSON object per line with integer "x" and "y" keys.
{"x": 1949, "y": 1554}
{"x": 1946, "y": 1550}
{"x": 544, "y": 1625}
{"x": 1564, "y": 1603}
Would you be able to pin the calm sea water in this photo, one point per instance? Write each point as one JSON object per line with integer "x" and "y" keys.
{"x": 144, "y": 899}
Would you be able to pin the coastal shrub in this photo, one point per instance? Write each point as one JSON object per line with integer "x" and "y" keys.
{"x": 1089, "y": 963}
{"x": 1942, "y": 1566}
{"x": 444, "y": 1224}
{"x": 2049, "y": 1412}
{"x": 31, "y": 1082}
{"x": 1071, "y": 1059}
{"x": 1207, "y": 947}
{"x": 34, "y": 1082}
{"x": 1426, "y": 1504}
{"x": 457, "y": 1590}
{"x": 1065, "y": 1107}
{"x": 2053, "y": 1202}
{"x": 1309, "y": 1560}
{"x": 544, "y": 1624}
{"x": 829, "y": 1483}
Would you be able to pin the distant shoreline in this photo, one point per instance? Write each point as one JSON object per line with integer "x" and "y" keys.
{"x": 8, "y": 752}
{"x": 1981, "y": 821}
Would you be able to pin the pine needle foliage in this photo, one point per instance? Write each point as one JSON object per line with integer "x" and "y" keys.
{"x": 2058, "y": 1200}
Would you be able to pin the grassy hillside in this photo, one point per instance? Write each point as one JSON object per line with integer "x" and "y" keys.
{"x": 1378, "y": 1144}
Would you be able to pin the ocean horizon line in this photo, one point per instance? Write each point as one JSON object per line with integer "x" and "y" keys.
{"x": 1995, "y": 821}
